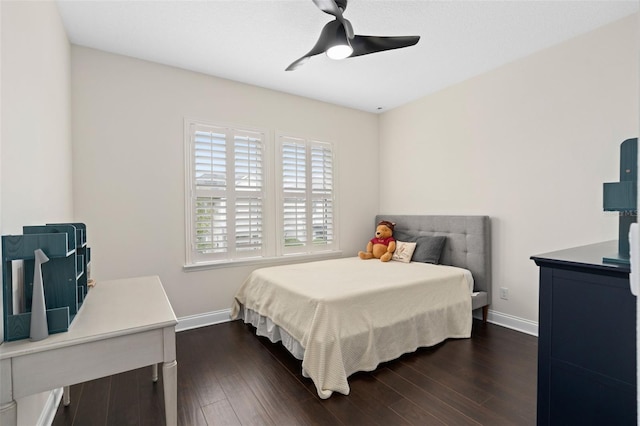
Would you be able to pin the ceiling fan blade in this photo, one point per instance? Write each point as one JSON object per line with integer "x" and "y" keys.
{"x": 331, "y": 7}
{"x": 298, "y": 63}
{"x": 327, "y": 36}
{"x": 363, "y": 45}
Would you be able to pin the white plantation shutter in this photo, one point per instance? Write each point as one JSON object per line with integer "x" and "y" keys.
{"x": 243, "y": 205}
{"x": 294, "y": 179}
{"x": 227, "y": 193}
{"x": 322, "y": 194}
{"x": 249, "y": 185}
{"x": 307, "y": 207}
{"x": 210, "y": 225}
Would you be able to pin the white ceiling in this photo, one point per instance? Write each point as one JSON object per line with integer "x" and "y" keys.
{"x": 253, "y": 41}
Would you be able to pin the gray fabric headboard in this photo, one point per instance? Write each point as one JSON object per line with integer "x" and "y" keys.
{"x": 468, "y": 241}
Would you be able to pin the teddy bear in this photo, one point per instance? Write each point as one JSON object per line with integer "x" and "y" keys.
{"x": 382, "y": 245}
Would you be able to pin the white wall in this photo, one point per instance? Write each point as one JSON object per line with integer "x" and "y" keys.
{"x": 35, "y": 162}
{"x": 36, "y": 150}
{"x": 129, "y": 166}
{"x": 529, "y": 144}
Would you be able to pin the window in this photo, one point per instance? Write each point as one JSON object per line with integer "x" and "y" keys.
{"x": 307, "y": 195}
{"x": 237, "y": 211}
{"x": 227, "y": 193}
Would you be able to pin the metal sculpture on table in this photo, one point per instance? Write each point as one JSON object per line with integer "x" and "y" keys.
{"x": 39, "y": 328}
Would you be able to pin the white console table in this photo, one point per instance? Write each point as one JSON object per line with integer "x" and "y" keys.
{"x": 122, "y": 325}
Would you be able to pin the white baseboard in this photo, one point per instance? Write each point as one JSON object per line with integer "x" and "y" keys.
{"x": 505, "y": 320}
{"x": 50, "y": 408}
{"x": 202, "y": 320}
{"x": 509, "y": 321}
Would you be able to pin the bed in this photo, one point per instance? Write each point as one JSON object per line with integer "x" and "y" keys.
{"x": 346, "y": 315}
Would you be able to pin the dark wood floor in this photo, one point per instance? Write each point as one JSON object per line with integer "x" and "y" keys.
{"x": 228, "y": 376}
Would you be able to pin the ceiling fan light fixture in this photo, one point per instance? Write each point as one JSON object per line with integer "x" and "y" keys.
{"x": 338, "y": 41}
{"x": 339, "y": 51}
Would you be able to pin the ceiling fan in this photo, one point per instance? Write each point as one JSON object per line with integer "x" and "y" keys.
{"x": 339, "y": 42}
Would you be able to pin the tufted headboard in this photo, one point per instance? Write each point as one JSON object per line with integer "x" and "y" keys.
{"x": 468, "y": 244}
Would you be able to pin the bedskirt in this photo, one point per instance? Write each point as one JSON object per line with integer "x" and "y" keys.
{"x": 267, "y": 328}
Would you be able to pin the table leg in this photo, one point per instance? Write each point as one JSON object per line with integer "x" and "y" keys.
{"x": 170, "y": 379}
{"x": 9, "y": 414}
{"x": 66, "y": 396}
{"x": 154, "y": 372}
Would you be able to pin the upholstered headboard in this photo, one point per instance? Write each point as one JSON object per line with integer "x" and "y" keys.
{"x": 468, "y": 243}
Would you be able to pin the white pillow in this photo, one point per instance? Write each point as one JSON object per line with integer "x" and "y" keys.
{"x": 403, "y": 252}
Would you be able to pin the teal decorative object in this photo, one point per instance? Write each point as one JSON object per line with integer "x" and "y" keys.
{"x": 65, "y": 275}
{"x": 39, "y": 328}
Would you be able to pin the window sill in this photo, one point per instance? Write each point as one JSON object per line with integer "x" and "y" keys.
{"x": 264, "y": 261}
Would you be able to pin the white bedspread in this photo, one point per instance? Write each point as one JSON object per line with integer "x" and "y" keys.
{"x": 350, "y": 315}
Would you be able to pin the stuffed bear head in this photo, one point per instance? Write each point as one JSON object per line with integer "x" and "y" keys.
{"x": 384, "y": 229}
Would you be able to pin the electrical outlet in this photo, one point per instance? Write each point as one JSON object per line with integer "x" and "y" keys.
{"x": 504, "y": 293}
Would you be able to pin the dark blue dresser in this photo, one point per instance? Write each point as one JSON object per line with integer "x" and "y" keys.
{"x": 587, "y": 338}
